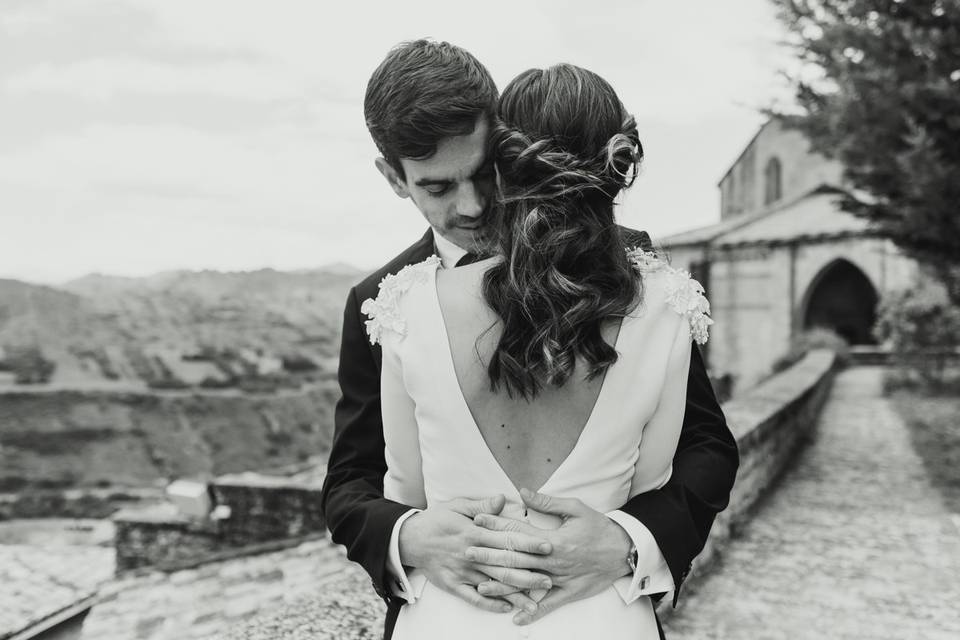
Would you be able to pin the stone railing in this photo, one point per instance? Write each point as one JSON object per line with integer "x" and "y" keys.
{"x": 771, "y": 422}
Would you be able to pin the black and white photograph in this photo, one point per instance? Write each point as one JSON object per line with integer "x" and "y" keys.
{"x": 622, "y": 320}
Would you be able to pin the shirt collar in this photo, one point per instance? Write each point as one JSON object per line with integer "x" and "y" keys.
{"x": 449, "y": 253}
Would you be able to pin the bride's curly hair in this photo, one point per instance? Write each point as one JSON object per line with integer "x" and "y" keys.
{"x": 564, "y": 147}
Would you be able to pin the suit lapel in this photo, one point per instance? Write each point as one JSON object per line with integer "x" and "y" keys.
{"x": 422, "y": 248}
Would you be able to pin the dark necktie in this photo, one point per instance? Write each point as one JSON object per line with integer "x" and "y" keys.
{"x": 468, "y": 258}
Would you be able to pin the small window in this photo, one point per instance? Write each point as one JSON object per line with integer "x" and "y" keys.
{"x": 773, "y": 182}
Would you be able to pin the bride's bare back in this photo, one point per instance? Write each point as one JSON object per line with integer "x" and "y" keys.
{"x": 529, "y": 439}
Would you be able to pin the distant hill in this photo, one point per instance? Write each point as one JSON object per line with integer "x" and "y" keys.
{"x": 113, "y": 328}
{"x": 138, "y": 380}
{"x": 31, "y": 313}
{"x": 77, "y": 439}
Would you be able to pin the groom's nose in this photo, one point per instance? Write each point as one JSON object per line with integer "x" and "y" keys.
{"x": 471, "y": 201}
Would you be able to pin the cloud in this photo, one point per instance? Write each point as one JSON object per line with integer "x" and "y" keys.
{"x": 233, "y": 131}
{"x": 104, "y": 79}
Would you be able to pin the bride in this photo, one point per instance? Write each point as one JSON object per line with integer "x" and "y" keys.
{"x": 557, "y": 364}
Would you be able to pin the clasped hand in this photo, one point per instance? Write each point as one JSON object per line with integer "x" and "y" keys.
{"x": 501, "y": 564}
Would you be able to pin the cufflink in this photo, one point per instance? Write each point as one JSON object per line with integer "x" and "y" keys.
{"x": 644, "y": 582}
{"x": 632, "y": 558}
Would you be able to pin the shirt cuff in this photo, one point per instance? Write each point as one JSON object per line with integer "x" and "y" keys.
{"x": 653, "y": 574}
{"x": 401, "y": 584}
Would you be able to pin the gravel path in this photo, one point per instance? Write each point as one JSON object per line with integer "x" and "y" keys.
{"x": 855, "y": 543}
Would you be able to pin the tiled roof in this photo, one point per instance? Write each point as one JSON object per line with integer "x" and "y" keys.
{"x": 200, "y": 603}
{"x": 814, "y": 214}
{"x": 701, "y": 235}
{"x": 37, "y": 583}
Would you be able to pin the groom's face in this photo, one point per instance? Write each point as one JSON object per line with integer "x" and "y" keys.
{"x": 452, "y": 188}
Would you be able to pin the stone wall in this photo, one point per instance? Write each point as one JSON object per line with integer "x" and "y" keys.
{"x": 260, "y": 509}
{"x": 771, "y": 422}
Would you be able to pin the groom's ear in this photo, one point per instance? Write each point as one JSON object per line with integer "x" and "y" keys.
{"x": 398, "y": 184}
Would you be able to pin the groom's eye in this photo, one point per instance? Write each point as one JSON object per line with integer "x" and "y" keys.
{"x": 437, "y": 189}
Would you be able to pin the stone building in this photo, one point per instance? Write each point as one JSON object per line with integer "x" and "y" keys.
{"x": 784, "y": 258}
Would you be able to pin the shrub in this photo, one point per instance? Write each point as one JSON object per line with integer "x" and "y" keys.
{"x": 29, "y": 365}
{"x": 922, "y": 328}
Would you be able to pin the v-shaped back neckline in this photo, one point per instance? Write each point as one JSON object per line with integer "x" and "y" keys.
{"x": 470, "y": 422}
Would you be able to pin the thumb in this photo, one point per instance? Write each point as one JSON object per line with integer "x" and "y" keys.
{"x": 472, "y": 508}
{"x": 548, "y": 504}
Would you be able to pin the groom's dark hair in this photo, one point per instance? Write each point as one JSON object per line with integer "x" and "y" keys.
{"x": 423, "y": 92}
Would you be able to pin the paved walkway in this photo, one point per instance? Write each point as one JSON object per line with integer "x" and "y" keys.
{"x": 854, "y": 544}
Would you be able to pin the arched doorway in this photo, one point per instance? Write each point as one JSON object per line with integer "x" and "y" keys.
{"x": 843, "y": 299}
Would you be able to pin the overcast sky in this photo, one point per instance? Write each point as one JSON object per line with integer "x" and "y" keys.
{"x": 142, "y": 136}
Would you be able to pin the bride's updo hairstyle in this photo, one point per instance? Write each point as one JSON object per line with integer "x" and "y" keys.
{"x": 564, "y": 147}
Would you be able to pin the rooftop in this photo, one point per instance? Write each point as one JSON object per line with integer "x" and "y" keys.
{"x": 815, "y": 214}
{"x": 39, "y": 585}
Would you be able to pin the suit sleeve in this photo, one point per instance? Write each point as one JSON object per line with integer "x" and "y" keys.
{"x": 357, "y": 514}
{"x": 680, "y": 514}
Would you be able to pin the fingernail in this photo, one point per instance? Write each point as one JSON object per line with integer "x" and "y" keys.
{"x": 526, "y": 493}
{"x": 506, "y": 608}
{"x": 482, "y": 588}
{"x": 479, "y": 520}
{"x": 471, "y": 554}
{"x": 546, "y": 584}
{"x": 530, "y": 607}
{"x": 544, "y": 548}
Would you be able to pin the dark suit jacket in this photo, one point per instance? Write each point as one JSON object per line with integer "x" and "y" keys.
{"x": 679, "y": 515}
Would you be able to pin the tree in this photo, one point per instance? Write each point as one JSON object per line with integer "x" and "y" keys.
{"x": 923, "y": 330}
{"x": 880, "y": 92}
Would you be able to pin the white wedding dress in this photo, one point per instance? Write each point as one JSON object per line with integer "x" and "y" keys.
{"x": 435, "y": 450}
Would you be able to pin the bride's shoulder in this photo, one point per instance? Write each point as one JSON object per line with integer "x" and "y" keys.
{"x": 385, "y": 312}
{"x": 672, "y": 288}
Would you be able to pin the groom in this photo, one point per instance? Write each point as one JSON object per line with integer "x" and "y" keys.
{"x": 429, "y": 107}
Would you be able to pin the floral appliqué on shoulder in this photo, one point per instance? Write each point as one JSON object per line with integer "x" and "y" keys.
{"x": 384, "y": 311}
{"x": 684, "y": 294}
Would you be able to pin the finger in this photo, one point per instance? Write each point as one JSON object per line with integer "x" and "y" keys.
{"x": 511, "y": 540}
{"x": 494, "y": 589}
{"x": 519, "y": 578}
{"x": 522, "y": 602}
{"x": 471, "y": 508}
{"x": 508, "y": 559}
{"x": 551, "y": 504}
{"x": 555, "y": 599}
{"x": 503, "y": 523}
{"x": 470, "y": 595}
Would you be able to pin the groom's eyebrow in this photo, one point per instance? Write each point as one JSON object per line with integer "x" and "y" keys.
{"x": 426, "y": 182}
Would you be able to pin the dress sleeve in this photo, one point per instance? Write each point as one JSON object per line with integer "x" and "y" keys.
{"x": 658, "y": 443}
{"x": 403, "y": 481}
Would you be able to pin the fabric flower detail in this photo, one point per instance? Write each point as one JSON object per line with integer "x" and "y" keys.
{"x": 684, "y": 294}
{"x": 384, "y": 311}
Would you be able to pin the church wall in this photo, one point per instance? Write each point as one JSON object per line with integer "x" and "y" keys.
{"x": 742, "y": 286}
{"x": 742, "y": 190}
{"x": 883, "y": 264}
{"x": 756, "y": 310}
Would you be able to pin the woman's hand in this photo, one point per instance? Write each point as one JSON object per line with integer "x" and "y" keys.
{"x": 589, "y": 551}
{"x": 436, "y": 541}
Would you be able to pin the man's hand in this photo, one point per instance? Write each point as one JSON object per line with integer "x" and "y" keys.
{"x": 589, "y": 551}
{"x": 436, "y": 540}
